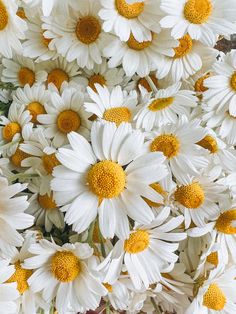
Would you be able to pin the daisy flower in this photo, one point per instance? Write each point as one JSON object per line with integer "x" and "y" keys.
{"x": 164, "y": 107}
{"x": 189, "y": 57}
{"x": 65, "y": 271}
{"x": 12, "y": 216}
{"x": 65, "y": 114}
{"x": 140, "y": 57}
{"x": 12, "y": 28}
{"x": 178, "y": 142}
{"x": 204, "y": 20}
{"x": 148, "y": 252}
{"x": 78, "y": 35}
{"x": 116, "y": 106}
{"x": 21, "y": 71}
{"x": 139, "y": 18}
{"x": 118, "y": 295}
{"x": 215, "y": 293}
{"x": 107, "y": 178}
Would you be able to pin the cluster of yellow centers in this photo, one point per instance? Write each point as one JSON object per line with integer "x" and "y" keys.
{"x": 198, "y": 11}
{"x": 57, "y": 77}
{"x": 130, "y": 11}
{"x": 225, "y": 220}
{"x": 209, "y": 143}
{"x": 199, "y": 84}
{"x": 168, "y": 144}
{"x": 65, "y": 266}
{"x": 3, "y": 16}
{"x": 50, "y": 162}
{"x": 20, "y": 276}
{"x": 18, "y": 157}
{"x": 214, "y": 298}
{"x": 96, "y": 79}
{"x": 144, "y": 83}
{"x": 190, "y": 196}
{"x": 213, "y": 258}
{"x": 158, "y": 188}
{"x": 47, "y": 201}
{"x": 137, "y": 242}
{"x": 160, "y": 104}
{"x": 106, "y": 179}
{"x": 185, "y": 46}
{"x": 132, "y": 43}
{"x": 10, "y": 130}
{"x": 26, "y": 76}
{"x": 35, "y": 108}
{"x": 68, "y": 121}
{"x": 117, "y": 115}
{"x": 233, "y": 81}
{"x": 88, "y": 29}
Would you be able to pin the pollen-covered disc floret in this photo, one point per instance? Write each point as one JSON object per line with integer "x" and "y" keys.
{"x": 225, "y": 220}
{"x": 137, "y": 242}
{"x": 198, "y": 11}
{"x": 214, "y": 298}
{"x": 167, "y": 143}
{"x": 20, "y": 276}
{"x": 190, "y": 196}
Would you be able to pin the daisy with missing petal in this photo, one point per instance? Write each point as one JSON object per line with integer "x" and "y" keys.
{"x": 215, "y": 294}
{"x": 107, "y": 178}
{"x": 164, "y": 107}
{"x": 116, "y": 106}
{"x": 21, "y": 71}
{"x": 139, "y": 18}
{"x": 65, "y": 114}
{"x": 189, "y": 57}
{"x": 140, "y": 57}
{"x": 12, "y": 216}
{"x": 178, "y": 142}
{"x": 12, "y": 28}
{"x": 147, "y": 252}
{"x": 65, "y": 271}
{"x": 204, "y": 20}
{"x": 78, "y": 35}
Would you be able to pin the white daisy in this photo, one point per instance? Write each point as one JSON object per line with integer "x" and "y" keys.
{"x": 65, "y": 272}
{"x": 147, "y": 252}
{"x": 93, "y": 178}
{"x": 178, "y": 142}
{"x": 118, "y": 295}
{"x": 204, "y": 20}
{"x": 164, "y": 107}
{"x": 78, "y": 35}
{"x": 65, "y": 114}
{"x": 139, "y": 18}
{"x": 140, "y": 57}
{"x": 21, "y": 71}
{"x": 116, "y": 106}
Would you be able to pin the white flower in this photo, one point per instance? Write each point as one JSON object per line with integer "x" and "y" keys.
{"x": 67, "y": 271}
{"x": 107, "y": 178}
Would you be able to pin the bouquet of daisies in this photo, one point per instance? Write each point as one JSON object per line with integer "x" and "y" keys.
{"x": 118, "y": 160}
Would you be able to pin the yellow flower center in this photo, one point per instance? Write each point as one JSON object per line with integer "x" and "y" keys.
{"x": 88, "y": 29}
{"x": 197, "y": 11}
{"x": 233, "y": 81}
{"x": 108, "y": 287}
{"x": 130, "y": 11}
{"x": 160, "y": 104}
{"x": 46, "y": 201}
{"x": 57, "y": 77}
{"x": 137, "y": 242}
{"x": 18, "y": 157}
{"x": 20, "y": 276}
{"x": 185, "y": 46}
{"x": 214, "y": 298}
{"x": 208, "y": 142}
{"x": 117, "y": 115}
{"x": 21, "y": 13}
{"x": 168, "y": 144}
{"x": 199, "y": 84}
{"x": 68, "y": 121}
{"x": 35, "y": 108}
{"x": 136, "y": 45}
{"x": 65, "y": 266}
{"x": 213, "y": 258}
{"x": 10, "y": 130}
{"x": 144, "y": 83}
{"x": 224, "y": 222}
{"x": 190, "y": 196}
{"x": 3, "y": 16}
{"x": 46, "y": 41}
{"x": 96, "y": 79}
{"x": 50, "y": 162}
{"x": 26, "y": 76}
{"x": 158, "y": 188}
{"x": 106, "y": 179}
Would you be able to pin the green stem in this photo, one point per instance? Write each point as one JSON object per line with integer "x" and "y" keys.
{"x": 157, "y": 310}
{"x": 90, "y": 233}
{"x": 152, "y": 85}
